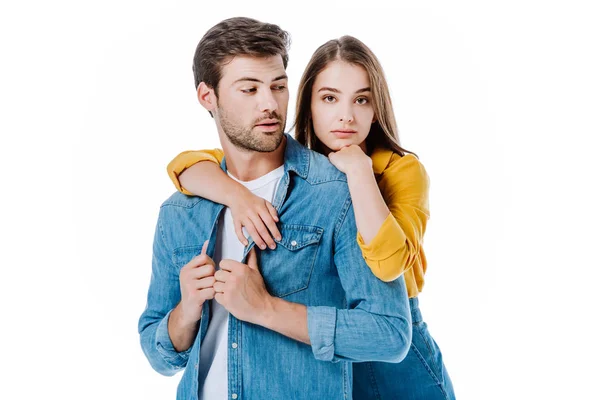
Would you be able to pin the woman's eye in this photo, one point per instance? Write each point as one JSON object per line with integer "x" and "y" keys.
{"x": 362, "y": 100}
{"x": 329, "y": 99}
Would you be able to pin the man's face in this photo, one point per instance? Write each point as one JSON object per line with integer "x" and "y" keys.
{"x": 252, "y": 105}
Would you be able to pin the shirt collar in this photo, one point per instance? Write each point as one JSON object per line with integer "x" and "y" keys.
{"x": 296, "y": 157}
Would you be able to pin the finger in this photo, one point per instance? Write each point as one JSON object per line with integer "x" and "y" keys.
{"x": 219, "y": 287}
{"x": 255, "y": 235}
{"x": 204, "y": 247}
{"x": 263, "y": 232}
{"x": 222, "y": 275}
{"x": 204, "y": 283}
{"x": 207, "y": 294}
{"x": 202, "y": 272}
{"x": 199, "y": 260}
{"x": 238, "y": 231}
{"x": 268, "y": 220}
{"x": 272, "y": 211}
{"x": 252, "y": 259}
{"x": 228, "y": 265}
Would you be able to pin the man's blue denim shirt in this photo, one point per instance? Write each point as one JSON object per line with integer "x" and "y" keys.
{"x": 352, "y": 315}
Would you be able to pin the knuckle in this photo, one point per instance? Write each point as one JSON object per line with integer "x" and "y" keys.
{"x": 208, "y": 269}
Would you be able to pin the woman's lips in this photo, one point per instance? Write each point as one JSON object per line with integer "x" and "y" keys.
{"x": 343, "y": 133}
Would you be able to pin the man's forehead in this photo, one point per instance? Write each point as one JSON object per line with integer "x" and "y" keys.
{"x": 263, "y": 69}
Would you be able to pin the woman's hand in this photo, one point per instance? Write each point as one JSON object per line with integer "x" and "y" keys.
{"x": 258, "y": 216}
{"x": 350, "y": 159}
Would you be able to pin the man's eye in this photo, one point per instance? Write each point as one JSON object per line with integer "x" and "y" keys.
{"x": 251, "y": 90}
{"x": 280, "y": 87}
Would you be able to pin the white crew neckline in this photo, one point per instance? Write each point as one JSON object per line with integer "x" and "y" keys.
{"x": 261, "y": 181}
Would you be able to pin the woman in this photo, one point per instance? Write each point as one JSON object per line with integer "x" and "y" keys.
{"x": 344, "y": 111}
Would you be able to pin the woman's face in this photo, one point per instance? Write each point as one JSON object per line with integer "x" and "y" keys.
{"x": 341, "y": 107}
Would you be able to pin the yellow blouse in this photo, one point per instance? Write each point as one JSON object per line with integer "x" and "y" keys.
{"x": 397, "y": 248}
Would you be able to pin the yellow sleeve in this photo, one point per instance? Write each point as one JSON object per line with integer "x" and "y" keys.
{"x": 187, "y": 159}
{"x": 397, "y": 246}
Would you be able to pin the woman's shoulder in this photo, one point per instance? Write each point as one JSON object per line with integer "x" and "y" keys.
{"x": 404, "y": 176}
{"x": 388, "y": 162}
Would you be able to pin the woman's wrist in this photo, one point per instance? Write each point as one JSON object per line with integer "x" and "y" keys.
{"x": 236, "y": 193}
{"x": 360, "y": 171}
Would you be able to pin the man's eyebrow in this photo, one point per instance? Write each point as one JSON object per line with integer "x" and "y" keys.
{"x": 249, "y": 79}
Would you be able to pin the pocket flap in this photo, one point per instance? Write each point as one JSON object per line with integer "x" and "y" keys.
{"x": 295, "y": 237}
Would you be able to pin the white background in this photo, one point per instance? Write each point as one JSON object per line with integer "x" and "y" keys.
{"x": 500, "y": 100}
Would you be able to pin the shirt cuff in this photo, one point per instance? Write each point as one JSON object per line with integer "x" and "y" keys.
{"x": 389, "y": 239}
{"x": 321, "y": 331}
{"x": 165, "y": 346}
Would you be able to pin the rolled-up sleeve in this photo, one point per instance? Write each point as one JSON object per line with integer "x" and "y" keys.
{"x": 377, "y": 324}
{"x": 186, "y": 159}
{"x": 321, "y": 330}
{"x": 397, "y": 245}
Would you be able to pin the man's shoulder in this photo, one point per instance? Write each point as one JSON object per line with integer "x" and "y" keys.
{"x": 321, "y": 170}
{"x": 179, "y": 199}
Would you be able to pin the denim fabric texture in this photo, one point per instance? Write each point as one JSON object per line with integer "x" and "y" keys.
{"x": 422, "y": 375}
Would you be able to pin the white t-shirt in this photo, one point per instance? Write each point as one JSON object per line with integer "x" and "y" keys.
{"x": 213, "y": 356}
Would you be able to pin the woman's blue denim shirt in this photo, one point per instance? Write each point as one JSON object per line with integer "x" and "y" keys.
{"x": 352, "y": 315}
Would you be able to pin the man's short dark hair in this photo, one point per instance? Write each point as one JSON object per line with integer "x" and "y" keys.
{"x": 236, "y": 37}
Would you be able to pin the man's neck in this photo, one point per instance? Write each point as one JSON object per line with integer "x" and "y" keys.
{"x": 247, "y": 165}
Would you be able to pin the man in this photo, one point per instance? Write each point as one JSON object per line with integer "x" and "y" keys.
{"x": 286, "y": 327}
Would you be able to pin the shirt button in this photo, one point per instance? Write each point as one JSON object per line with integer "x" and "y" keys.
{"x": 294, "y": 243}
{"x": 234, "y": 396}
{"x": 234, "y": 345}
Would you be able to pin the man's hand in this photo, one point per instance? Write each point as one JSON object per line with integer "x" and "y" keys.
{"x": 196, "y": 281}
{"x": 240, "y": 288}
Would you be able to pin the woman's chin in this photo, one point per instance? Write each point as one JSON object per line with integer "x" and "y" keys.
{"x": 337, "y": 145}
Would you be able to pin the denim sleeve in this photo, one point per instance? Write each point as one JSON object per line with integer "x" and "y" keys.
{"x": 376, "y": 326}
{"x": 163, "y": 296}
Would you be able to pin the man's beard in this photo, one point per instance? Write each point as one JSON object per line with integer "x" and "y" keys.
{"x": 244, "y": 139}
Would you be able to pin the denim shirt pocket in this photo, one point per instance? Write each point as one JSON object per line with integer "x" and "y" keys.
{"x": 287, "y": 269}
{"x": 183, "y": 255}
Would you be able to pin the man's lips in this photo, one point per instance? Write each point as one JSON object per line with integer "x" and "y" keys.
{"x": 269, "y": 125}
{"x": 268, "y": 122}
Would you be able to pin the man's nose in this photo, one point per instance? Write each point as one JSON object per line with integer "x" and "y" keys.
{"x": 267, "y": 101}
